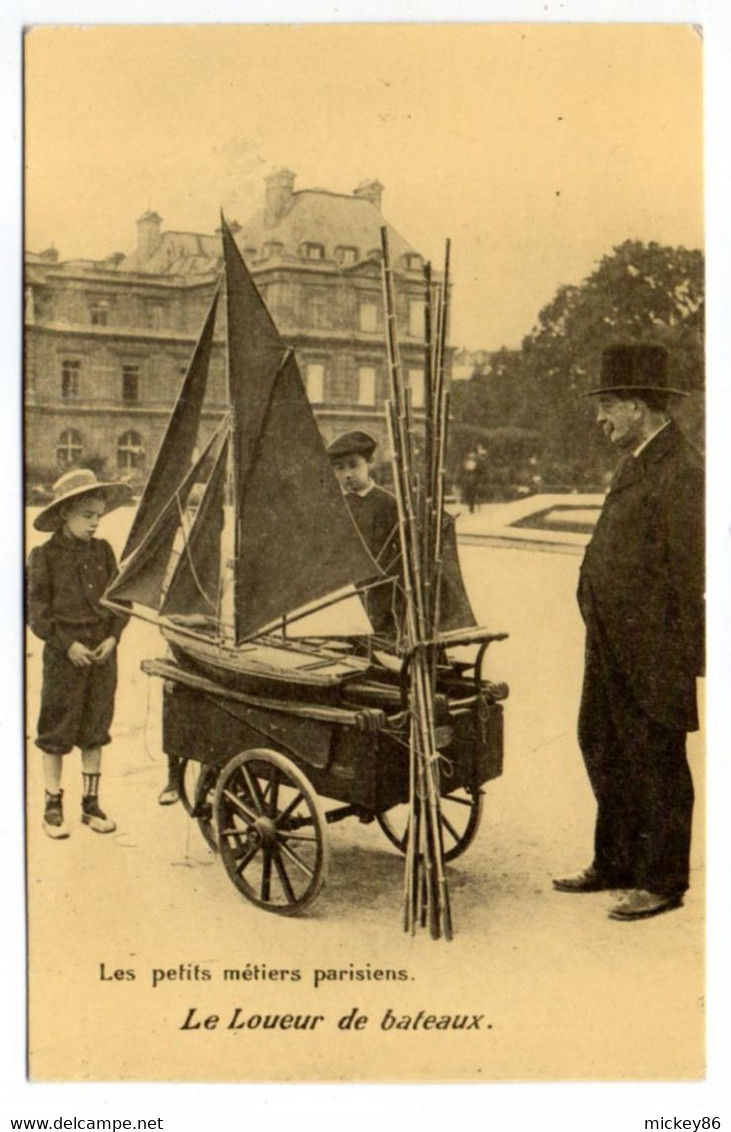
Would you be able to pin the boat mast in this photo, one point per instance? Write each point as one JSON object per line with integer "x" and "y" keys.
{"x": 230, "y": 533}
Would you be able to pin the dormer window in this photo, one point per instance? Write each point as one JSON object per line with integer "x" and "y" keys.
{"x": 309, "y": 250}
{"x": 413, "y": 261}
{"x": 345, "y": 254}
{"x": 272, "y": 248}
{"x": 376, "y": 254}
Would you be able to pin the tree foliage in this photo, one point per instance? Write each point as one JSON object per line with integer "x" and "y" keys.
{"x": 639, "y": 292}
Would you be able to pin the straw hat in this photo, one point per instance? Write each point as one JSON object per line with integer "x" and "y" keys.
{"x": 634, "y": 367}
{"x": 72, "y": 485}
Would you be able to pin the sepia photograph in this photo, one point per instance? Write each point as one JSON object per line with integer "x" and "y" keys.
{"x": 364, "y": 432}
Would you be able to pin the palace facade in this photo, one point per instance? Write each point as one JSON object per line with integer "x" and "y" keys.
{"x": 107, "y": 343}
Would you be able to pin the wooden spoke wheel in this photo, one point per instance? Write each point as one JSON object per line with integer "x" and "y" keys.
{"x": 271, "y": 831}
{"x": 196, "y": 787}
{"x": 460, "y": 813}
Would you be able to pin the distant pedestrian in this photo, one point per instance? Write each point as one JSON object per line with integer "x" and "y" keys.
{"x": 469, "y": 481}
{"x": 66, "y": 577}
{"x": 641, "y": 597}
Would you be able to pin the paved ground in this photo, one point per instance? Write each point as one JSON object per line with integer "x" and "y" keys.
{"x": 566, "y": 992}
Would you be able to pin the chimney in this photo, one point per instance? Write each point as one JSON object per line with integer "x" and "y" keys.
{"x": 148, "y": 235}
{"x": 278, "y": 196}
{"x": 370, "y": 190}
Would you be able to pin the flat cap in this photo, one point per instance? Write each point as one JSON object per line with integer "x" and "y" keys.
{"x": 349, "y": 443}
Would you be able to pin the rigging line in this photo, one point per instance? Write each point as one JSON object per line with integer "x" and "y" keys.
{"x": 186, "y": 548}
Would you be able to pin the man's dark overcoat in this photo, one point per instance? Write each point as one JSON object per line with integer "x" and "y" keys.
{"x": 642, "y": 577}
{"x": 641, "y": 597}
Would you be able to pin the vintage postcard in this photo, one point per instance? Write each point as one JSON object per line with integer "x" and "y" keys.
{"x": 277, "y": 837}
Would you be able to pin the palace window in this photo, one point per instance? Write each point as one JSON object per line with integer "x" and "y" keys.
{"x": 130, "y": 384}
{"x": 69, "y": 448}
{"x": 366, "y": 385}
{"x": 70, "y": 378}
{"x": 317, "y": 302}
{"x": 315, "y": 382}
{"x": 155, "y": 313}
{"x": 129, "y": 451}
{"x": 368, "y": 316}
{"x": 416, "y": 384}
{"x": 99, "y": 314}
{"x": 416, "y": 318}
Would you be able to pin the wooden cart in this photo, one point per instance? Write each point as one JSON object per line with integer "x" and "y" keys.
{"x": 253, "y": 770}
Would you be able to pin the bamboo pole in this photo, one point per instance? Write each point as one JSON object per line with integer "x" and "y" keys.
{"x": 426, "y": 896}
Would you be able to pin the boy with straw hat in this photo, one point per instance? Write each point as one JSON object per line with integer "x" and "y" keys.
{"x": 66, "y": 577}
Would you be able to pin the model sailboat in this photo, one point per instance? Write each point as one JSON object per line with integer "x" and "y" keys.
{"x": 272, "y": 538}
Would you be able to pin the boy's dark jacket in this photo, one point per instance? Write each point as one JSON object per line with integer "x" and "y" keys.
{"x": 66, "y": 577}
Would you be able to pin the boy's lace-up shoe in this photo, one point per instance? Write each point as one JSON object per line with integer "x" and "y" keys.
{"x": 93, "y": 816}
{"x": 53, "y": 823}
{"x": 169, "y": 796}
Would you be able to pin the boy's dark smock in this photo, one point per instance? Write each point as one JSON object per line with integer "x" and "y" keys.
{"x": 641, "y": 597}
{"x": 66, "y": 577}
{"x": 376, "y": 517}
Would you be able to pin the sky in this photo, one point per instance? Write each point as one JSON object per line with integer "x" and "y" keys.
{"x": 534, "y": 148}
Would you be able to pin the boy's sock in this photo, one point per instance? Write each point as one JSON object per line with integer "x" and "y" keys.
{"x": 169, "y": 795}
{"x": 53, "y": 822}
{"x": 91, "y": 812}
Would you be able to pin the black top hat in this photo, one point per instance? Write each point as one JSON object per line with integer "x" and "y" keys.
{"x": 349, "y": 443}
{"x": 633, "y": 367}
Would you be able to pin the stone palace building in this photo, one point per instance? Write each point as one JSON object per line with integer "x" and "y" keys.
{"x": 107, "y": 342}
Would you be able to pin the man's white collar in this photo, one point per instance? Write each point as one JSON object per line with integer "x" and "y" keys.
{"x": 652, "y": 436}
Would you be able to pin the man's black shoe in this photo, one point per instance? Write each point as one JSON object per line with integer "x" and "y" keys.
{"x": 639, "y": 904}
{"x": 588, "y": 881}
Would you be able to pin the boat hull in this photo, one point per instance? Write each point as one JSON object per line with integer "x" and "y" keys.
{"x": 268, "y": 667}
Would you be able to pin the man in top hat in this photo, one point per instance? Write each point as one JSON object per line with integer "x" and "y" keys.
{"x": 641, "y": 596}
{"x": 375, "y": 513}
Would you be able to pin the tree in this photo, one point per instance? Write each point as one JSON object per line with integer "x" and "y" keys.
{"x": 638, "y": 293}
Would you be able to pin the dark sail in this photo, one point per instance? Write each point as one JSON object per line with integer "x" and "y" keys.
{"x": 255, "y": 353}
{"x": 194, "y": 586}
{"x": 298, "y": 541}
{"x": 455, "y": 611}
{"x": 178, "y": 444}
{"x": 143, "y": 574}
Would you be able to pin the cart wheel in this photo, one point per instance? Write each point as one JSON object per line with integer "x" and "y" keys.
{"x": 194, "y": 777}
{"x": 271, "y": 831}
{"x": 461, "y": 814}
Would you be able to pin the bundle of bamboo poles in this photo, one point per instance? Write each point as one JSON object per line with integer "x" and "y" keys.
{"x": 419, "y": 490}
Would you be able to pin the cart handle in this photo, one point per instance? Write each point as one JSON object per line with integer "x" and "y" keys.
{"x": 483, "y": 637}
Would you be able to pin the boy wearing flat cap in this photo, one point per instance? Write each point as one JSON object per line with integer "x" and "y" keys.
{"x": 375, "y": 513}
{"x": 66, "y": 577}
{"x": 641, "y": 597}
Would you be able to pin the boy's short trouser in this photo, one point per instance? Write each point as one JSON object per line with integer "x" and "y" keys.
{"x": 77, "y": 704}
